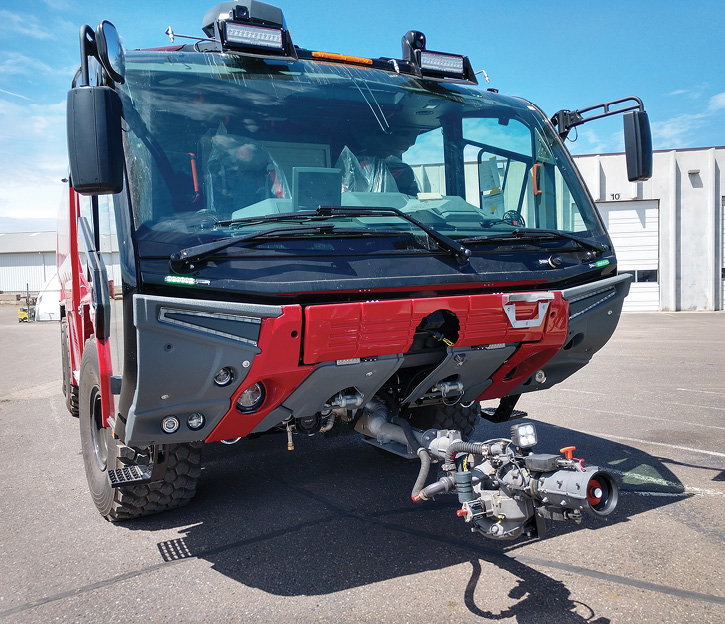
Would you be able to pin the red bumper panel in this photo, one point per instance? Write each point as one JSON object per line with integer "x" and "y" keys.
{"x": 531, "y": 356}
{"x": 366, "y": 329}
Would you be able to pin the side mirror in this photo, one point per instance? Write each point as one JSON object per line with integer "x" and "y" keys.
{"x": 110, "y": 51}
{"x": 95, "y": 150}
{"x": 638, "y": 146}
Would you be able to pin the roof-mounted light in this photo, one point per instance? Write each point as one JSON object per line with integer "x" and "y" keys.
{"x": 240, "y": 35}
{"x": 445, "y": 64}
{"x": 250, "y": 27}
{"x": 440, "y": 65}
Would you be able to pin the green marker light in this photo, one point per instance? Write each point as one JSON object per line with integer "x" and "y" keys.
{"x": 180, "y": 280}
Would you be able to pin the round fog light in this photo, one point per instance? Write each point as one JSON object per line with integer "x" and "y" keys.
{"x": 195, "y": 421}
{"x": 170, "y": 424}
{"x": 251, "y": 398}
{"x": 224, "y": 377}
{"x": 540, "y": 376}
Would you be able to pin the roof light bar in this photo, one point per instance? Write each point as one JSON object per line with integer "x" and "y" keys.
{"x": 249, "y": 27}
{"x": 248, "y": 36}
{"x": 437, "y": 62}
{"x": 440, "y": 65}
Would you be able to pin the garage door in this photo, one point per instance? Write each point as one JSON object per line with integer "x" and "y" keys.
{"x": 634, "y": 229}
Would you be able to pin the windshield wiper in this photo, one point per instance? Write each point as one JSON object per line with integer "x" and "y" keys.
{"x": 461, "y": 252}
{"x": 301, "y": 216}
{"x": 534, "y": 234}
{"x": 183, "y": 259}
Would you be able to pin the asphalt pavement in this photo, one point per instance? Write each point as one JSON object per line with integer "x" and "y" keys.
{"x": 327, "y": 532}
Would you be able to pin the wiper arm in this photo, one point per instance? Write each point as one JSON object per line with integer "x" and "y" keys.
{"x": 461, "y": 252}
{"x": 533, "y": 234}
{"x": 302, "y": 215}
{"x": 182, "y": 260}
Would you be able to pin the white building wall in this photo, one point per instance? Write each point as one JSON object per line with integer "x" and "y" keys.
{"x": 21, "y": 270}
{"x": 689, "y": 185}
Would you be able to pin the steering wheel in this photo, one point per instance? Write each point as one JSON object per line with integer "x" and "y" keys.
{"x": 206, "y": 218}
{"x": 514, "y": 217}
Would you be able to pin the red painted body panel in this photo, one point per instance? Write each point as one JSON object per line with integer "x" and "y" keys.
{"x": 372, "y": 328}
{"x": 532, "y": 355}
{"x": 76, "y": 297}
{"x": 277, "y": 367}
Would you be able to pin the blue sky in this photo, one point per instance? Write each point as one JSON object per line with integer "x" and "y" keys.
{"x": 556, "y": 54}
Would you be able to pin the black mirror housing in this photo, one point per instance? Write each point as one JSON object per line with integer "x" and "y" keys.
{"x": 95, "y": 150}
{"x": 638, "y": 146}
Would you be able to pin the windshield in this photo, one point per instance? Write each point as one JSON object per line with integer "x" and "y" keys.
{"x": 214, "y": 140}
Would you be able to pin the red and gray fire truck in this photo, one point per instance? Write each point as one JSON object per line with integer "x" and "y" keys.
{"x": 261, "y": 238}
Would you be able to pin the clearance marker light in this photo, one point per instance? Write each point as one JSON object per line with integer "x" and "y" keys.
{"x": 331, "y": 56}
{"x": 180, "y": 280}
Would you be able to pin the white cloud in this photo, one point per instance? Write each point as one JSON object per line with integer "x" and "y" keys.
{"x": 33, "y": 159}
{"x": 717, "y": 102}
{"x": 677, "y": 131}
{"x": 16, "y": 64}
{"x": 17, "y": 95}
{"x": 26, "y": 25}
{"x": 58, "y": 5}
{"x": 693, "y": 93}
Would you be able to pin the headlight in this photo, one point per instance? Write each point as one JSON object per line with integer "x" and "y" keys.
{"x": 195, "y": 421}
{"x": 170, "y": 424}
{"x": 251, "y": 399}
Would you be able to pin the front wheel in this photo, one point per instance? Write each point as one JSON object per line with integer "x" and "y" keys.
{"x": 100, "y": 453}
{"x": 447, "y": 417}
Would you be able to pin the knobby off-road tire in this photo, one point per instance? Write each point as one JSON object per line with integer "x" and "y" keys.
{"x": 100, "y": 452}
{"x": 70, "y": 392}
{"x": 447, "y": 417}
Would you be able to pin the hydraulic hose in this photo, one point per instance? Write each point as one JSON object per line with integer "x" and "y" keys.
{"x": 422, "y": 475}
{"x": 420, "y": 451}
{"x": 408, "y": 431}
{"x": 474, "y": 448}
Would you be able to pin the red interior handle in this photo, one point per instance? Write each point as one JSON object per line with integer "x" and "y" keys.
{"x": 535, "y": 176}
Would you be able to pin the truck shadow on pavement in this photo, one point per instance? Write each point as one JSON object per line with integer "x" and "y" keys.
{"x": 335, "y": 514}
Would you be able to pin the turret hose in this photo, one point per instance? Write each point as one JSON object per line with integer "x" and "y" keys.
{"x": 472, "y": 448}
{"x": 420, "y": 451}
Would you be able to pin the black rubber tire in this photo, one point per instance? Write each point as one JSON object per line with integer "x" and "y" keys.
{"x": 447, "y": 417}
{"x": 70, "y": 392}
{"x": 100, "y": 450}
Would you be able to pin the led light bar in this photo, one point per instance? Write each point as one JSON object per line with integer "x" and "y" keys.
{"x": 248, "y": 36}
{"x": 180, "y": 280}
{"x": 439, "y": 63}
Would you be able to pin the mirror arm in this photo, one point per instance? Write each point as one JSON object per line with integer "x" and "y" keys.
{"x": 565, "y": 120}
{"x": 88, "y": 48}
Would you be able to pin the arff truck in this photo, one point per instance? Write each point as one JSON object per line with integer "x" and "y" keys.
{"x": 264, "y": 239}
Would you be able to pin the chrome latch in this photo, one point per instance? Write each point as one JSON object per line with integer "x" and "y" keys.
{"x": 509, "y": 307}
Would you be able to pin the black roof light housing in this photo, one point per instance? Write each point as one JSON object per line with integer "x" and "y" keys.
{"x": 436, "y": 65}
{"x": 249, "y": 27}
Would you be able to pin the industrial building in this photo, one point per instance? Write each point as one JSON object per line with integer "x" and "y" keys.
{"x": 669, "y": 232}
{"x": 27, "y": 260}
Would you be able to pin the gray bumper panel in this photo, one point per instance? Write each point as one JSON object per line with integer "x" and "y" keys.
{"x": 181, "y": 344}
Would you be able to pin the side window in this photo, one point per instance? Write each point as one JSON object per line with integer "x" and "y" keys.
{"x": 498, "y": 156}
{"x": 426, "y": 159}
